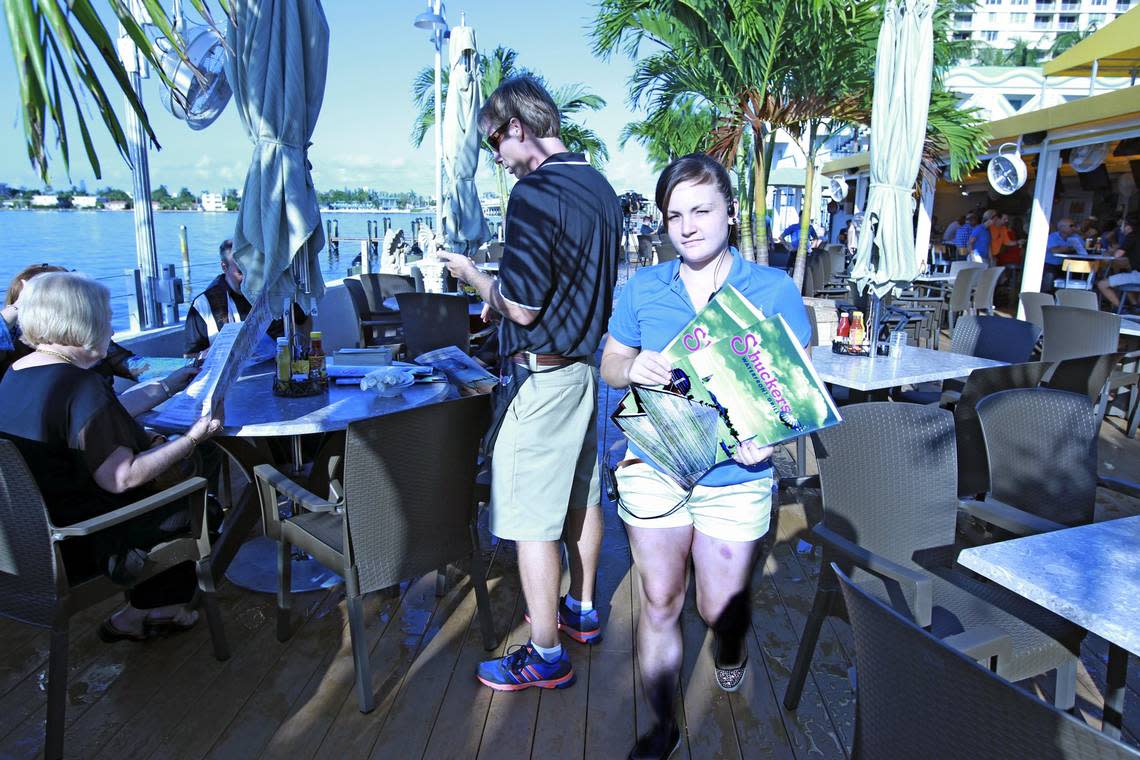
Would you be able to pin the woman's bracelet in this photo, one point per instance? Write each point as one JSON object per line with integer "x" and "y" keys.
{"x": 194, "y": 442}
{"x": 165, "y": 388}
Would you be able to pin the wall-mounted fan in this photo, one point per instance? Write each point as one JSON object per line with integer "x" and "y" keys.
{"x": 1007, "y": 170}
{"x": 201, "y": 91}
{"x": 839, "y": 189}
{"x": 1085, "y": 158}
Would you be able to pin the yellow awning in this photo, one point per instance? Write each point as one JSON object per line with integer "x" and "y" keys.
{"x": 1103, "y": 107}
{"x": 847, "y": 164}
{"x": 1115, "y": 48}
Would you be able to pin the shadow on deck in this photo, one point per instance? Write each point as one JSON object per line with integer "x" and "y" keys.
{"x": 169, "y": 698}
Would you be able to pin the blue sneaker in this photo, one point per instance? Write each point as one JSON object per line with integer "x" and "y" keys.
{"x": 583, "y": 627}
{"x": 522, "y": 668}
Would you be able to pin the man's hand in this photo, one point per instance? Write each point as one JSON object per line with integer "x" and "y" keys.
{"x": 748, "y": 453}
{"x": 459, "y": 265}
{"x": 650, "y": 368}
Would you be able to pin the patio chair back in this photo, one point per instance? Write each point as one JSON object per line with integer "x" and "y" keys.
{"x": 918, "y": 697}
{"x": 409, "y": 505}
{"x": 433, "y": 320}
{"x": 1032, "y": 303}
{"x": 911, "y": 470}
{"x": 973, "y": 469}
{"x": 1078, "y": 299}
{"x": 376, "y": 287}
{"x": 1041, "y": 449}
{"x": 998, "y": 338}
{"x": 1073, "y": 332}
{"x": 29, "y": 587}
{"x": 964, "y": 263}
{"x": 837, "y": 260}
{"x": 1084, "y": 374}
{"x": 665, "y": 250}
{"x": 1075, "y": 266}
{"x": 962, "y": 291}
{"x": 495, "y": 251}
{"x": 337, "y": 320}
{"x": 983, "y": 298}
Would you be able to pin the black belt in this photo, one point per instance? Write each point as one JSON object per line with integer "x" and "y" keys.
{"x": 544, "y": 360}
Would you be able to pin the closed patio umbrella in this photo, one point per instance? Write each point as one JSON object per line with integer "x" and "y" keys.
{"x": 277, "y": 70}
{"x": 464, "y": 227}
{"x": 904, "y": 59}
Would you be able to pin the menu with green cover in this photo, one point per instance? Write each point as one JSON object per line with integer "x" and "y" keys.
{"x": 750, "y": 370}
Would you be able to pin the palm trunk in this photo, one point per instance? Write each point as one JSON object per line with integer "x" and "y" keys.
{"x": 746, "y": 247}
{"x": 805, "y": 214}
{"x": 760, "y": 202}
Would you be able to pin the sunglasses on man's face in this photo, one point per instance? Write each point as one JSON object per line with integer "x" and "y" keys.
{"x": 496, "y": 137}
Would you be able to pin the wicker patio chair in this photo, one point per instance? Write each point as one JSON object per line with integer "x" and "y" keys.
{"x": 1078, "y": 299}
{"x": 890, "y": 503}
{"x": 35, "y": 588}
{"x": 433, "y": 320}
{"x": 973, "y": 469}
{"x": 1032, "y": 303}
{"x": 917, "y": 697}
{"x": 1072, "y": 332}
{"x": 962, "y": 292}
{"x": 1022, "y": 429}
{"x": 983, "y": 298}
{"x": 997, "y": 338}
{"x": 408, "y": 508}
{"x": 376, "y": 325}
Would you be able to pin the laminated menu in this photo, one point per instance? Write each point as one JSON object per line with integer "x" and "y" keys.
{"x": 737, "y": 376}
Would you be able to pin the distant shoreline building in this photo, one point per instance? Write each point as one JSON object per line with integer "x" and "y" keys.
{"x": 213, "y": 202}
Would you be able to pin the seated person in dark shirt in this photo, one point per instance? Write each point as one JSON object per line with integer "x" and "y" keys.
{"x": 222, "y": 302}
{"x": 119, "y": 362}
{"x": 1126, "y": 265}
{"x": 88, "y": 455}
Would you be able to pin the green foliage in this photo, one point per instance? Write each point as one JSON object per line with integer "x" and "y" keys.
{"x": 1021, "y": 54}
{"x": 502, "y": 64}
{"x": 672, "y": 132}
{"x": 59, "y": 79}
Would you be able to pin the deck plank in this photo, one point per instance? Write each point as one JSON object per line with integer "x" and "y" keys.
{"x": 408, "y": 726}
{"x": 708, "y": 713}
{"x": 512, "y": 715}
{"x": 300, "y": 736}
{"x": 458, "y": 728}
{"x": 352, "y": 733}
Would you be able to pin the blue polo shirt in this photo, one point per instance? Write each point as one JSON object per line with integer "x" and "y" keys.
{"x": 793, "y": 230}
{"x": 1056, "y": 240}
{"x": 654, "y": 307}
{"x": 563, "y": 242}
{"x": 982, "y": 238}
{"x": 963, "y": 235}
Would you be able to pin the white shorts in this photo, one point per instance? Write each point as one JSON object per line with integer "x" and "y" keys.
{"x": 1124, "y": 278}
{"x": 740, "y": 512}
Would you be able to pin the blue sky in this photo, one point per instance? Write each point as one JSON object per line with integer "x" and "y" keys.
{"x": 362, "y": 137}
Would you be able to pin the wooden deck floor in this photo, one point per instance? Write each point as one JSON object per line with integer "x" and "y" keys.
{"x": 170, "y": 699}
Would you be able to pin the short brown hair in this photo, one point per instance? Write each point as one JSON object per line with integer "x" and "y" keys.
{"x": 523, "y": 98}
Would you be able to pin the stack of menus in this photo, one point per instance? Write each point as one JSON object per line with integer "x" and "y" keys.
{"x": 737, "y": 376}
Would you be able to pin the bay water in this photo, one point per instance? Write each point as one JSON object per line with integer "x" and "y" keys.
{"x": 102, "y": 244}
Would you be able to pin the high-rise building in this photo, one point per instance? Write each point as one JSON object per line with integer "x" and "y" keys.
{"x": 1000, "y": 23}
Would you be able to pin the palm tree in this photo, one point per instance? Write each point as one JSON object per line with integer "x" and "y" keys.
{"x": 1066, "y": 40}
{"x": 50, "y": 41}
{"x": 495, "y": 68}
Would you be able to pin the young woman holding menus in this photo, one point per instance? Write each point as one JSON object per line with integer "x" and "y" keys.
{"x": 721, "y": 521}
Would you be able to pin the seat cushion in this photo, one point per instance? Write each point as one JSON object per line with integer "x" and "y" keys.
{"x": 311, "y": 529}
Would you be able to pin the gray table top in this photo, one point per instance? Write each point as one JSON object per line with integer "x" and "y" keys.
{"x": 936, "y": 277}
{"x": 1085, "y": 256}
{"x": 917, "y": 365}
{"x": 1130, "y": 326}
{"x": 1089, "y": 575}
{"x": 252, "y": 410}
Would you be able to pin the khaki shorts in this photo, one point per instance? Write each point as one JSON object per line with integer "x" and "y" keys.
{"x": 738, "y": 512}
{"x": 545, "y": 460}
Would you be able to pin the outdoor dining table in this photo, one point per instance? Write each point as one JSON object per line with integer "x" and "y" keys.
{"x": 871, "y": 378}
{"x": 1089, "y": 575}
{"x": 1130, "y": 326}
{"x": 491, "y": 267}
{"x": 474, "y": 308}
{"x": 252, "y": 412}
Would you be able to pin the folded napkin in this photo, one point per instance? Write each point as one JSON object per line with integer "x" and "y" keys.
{"x": 387, "y": 381}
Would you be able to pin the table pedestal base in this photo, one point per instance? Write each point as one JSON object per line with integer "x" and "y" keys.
{"x": 254, "y": 567}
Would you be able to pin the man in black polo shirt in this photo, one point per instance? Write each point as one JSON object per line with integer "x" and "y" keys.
{"x": 554, "y": 292}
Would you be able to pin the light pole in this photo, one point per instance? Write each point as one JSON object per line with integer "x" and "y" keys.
{"x": 435, "y": 20}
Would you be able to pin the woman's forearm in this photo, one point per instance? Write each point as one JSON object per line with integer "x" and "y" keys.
{"x": 127, "y": 471}
{"x": 615, "y": 370}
